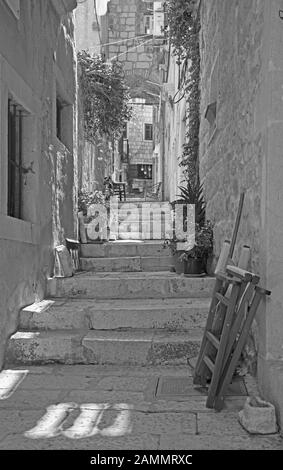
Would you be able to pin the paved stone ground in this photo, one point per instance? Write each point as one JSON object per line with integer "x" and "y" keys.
{"x": 122, "y": 402}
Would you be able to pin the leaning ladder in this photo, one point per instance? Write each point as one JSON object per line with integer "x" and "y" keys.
{"x": 226, "y": 330}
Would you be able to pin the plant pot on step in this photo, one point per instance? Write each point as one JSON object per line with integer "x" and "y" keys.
{"x": 178, "y": 265}
{"x": 194, "y": 267}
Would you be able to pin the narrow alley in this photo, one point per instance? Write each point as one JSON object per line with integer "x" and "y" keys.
{"x": 140, "y": 231}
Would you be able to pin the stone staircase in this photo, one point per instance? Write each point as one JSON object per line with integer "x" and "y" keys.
{"x": 135, "y": 220}
{"x": 126, "y": 307}
{"x": 126, "y": 257}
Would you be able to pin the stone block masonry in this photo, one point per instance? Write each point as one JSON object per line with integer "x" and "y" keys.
{"x": 127, "y": 21}
{"x": 242, "y": 70}
{"x": 231, "y": 155}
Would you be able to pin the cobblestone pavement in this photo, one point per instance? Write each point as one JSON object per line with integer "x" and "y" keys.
{"x": 105, "y": 407}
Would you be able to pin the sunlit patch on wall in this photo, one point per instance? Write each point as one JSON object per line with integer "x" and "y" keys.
{"x": 9, "y": 381}
{"x": 82, "y": 421}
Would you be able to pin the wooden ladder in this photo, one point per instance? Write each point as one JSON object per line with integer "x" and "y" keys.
{"x": 234, "y": 303}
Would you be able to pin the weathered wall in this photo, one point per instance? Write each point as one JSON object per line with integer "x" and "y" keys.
{"x": 231, "y": 153}
{"x": 92, "y": 158}
{"x": 174, "y": 117}
{"x": 242, "y": 69}
{"x": 87, "y": 28}
{"x": 125, "y": 21}
{"x": 36, "y": 60}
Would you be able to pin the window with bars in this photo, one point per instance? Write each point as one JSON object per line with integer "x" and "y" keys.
{"x": 58, "y": 118}
{"x": 148, "y": 132}
{"x": 15, "y": 149}
{"x": 144, "y": 172}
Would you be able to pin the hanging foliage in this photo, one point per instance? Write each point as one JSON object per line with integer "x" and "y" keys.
{"x": 184, "y": 26}
{"x": 105, "y": 96}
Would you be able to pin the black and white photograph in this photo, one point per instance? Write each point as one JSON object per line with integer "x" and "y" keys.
{"x": 141, "y": 232}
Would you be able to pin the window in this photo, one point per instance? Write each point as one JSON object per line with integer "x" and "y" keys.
{"x": 15, "y": 149}
{"x": 64, "y": 117}
{"x": 149, "y": 5}
{"x": 148, "y": 132}
{"x": 125, "y": 131}
{"x": 59, "y": 109}
{"x": 144, "y": 172}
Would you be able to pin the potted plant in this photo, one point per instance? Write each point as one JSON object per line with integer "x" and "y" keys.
{"x": 195, "y": 259}
{"x": 85, "y": 200}
{"x": 192, "y": 193}
{"x": 177, "y": 264}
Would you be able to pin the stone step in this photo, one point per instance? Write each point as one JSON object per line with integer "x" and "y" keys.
{"x": 136, "y": 347}
{"x": 139, "y": 235}
{"x": 145, "y": 232}
{"x": 127, "y": 264}
{"x": 132, "y": 218}
{"x": 155, "y": 205}
{"x": 170, "y": 314}
{"x": 123, "y": 248}
{"x": 123, "y": 285}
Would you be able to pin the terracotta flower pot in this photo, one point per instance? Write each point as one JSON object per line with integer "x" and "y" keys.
{"x": 194, "y": 266}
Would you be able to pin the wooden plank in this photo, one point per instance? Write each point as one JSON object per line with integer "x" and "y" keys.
{"x": 230, "y": 365}
{"x": 224, "y": 300}
{"x": 223, "y": 277}
{"x": 237, "y": 224}
{"x": 244, "y": 257}
{"x": 239, "y": 319}
{"x": 222, "y": 347}
{"x": 223, "y": 257}
{"x": 199, "y": 368}
{"x": 209, "y": 363}
{"x": 240, "y": 273}
{"x": 212, "y": 339}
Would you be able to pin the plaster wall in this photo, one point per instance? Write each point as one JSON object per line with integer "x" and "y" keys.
{"x": 87, "y": 28}
{"x": 174, "y": 116}
{"x": 37, "y": 62}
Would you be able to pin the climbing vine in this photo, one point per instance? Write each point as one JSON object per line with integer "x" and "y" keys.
{"x": 105, "y": 96}
{"x": 184, "y": 26}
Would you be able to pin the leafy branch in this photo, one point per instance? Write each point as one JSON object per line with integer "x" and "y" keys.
{"x": 105, "y": 96}
{"x": 184, "y": 26}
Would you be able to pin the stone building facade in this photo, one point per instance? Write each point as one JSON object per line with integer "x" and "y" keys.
{"x": 140, "y": 139}
{"x": 170, "y": 131}
{"x": 124, "y": 27}
{"x": 38, "y": 148}
{"x": 127, "y": 32}
{"x": 241, "y": 142}
{"x": 93, "y": 157}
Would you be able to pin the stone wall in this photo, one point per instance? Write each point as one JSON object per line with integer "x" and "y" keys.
{"x": 242, "y": 70}
{"x": 37, "y": 64}
{"x": 92, "y": 156}
{"x": 125, "y": 21}
{"x": 140, "y": 150}
{"x": 231, "y": 150}
{"x": 174, "y": 117}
